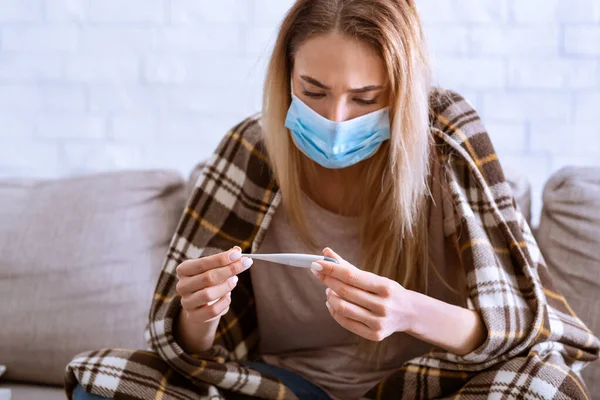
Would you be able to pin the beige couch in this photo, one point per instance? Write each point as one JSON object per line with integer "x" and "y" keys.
{"x": 79, "y": 259}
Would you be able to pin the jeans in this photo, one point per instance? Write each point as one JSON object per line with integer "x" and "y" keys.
{"x": 79, "y": 394}
{"x": 302, "y": 388}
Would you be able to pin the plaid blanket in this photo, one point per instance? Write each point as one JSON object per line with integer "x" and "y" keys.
{"x": 536, "y": 346}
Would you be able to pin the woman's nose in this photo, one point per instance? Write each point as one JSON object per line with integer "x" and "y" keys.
{"x": 338, "y": 112}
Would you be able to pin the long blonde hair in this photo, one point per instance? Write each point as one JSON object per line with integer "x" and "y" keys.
{"x": 393, "y": 239}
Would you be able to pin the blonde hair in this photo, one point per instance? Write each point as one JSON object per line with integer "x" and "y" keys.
{"x": 393, "y": 239}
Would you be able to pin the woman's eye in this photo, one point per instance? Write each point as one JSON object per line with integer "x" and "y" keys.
{"x": 366, "y": 101}
{"x": 313, "y": 95}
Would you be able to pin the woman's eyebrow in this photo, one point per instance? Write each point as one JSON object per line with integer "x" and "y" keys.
{"x": 364, "y": 89}
{"x": 315, "y": 82}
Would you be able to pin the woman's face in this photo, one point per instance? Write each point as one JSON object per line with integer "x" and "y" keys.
{"x": 339, "y": 77}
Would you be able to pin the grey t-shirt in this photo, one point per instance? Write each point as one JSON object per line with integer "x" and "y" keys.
{"x": 296, "y": 330}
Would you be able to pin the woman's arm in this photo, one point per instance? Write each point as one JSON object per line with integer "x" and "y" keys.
{"x": 456, "y": 329}
{"x": 192, "y": 337}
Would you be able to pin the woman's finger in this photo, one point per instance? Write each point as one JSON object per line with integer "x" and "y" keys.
{"x": 353, "y": 326}
{"x": 197, "y": 266}
{"x": 347, "y": 273}
{"x": 213, "y": 277}
{"x": 330, "y": 253}
{"x": 208, "y": 294}
{"x": 350, "y": 310}
{"x": 210, "y": 312}
{"x": 355, "y": 295}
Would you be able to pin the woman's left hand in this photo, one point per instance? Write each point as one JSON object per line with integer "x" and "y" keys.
{"x": 365, "y": 303}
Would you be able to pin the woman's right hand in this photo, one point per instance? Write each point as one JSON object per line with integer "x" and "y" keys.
{"x": 205, "y": 284}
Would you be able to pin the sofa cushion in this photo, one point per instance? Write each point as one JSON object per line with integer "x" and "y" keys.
{"x": 32, "y": 392}
{"x": 79, "y": 260}
{"x": 569, "y": 237}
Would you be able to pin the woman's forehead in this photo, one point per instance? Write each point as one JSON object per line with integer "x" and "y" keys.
{"x": 339, "y": 62}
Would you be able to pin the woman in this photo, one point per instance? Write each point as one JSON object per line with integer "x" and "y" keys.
{"x": 439, "y": 286}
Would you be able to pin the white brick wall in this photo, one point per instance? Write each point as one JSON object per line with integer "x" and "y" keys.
{"x": 92, "y": 85}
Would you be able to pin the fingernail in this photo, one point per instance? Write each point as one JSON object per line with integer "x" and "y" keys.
{"x": 246, "y": 262}
{"x": 238, "y": 248}
{"x": 315, "y": 273}
{"x": 328, "y": 306}
{"x": 316, "y": 267}
{"x": 235, "y": 255}
{"x": 327, "y": 292}
{"x": 235, "y": 279}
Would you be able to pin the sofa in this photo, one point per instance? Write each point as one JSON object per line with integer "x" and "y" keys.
{"x": 79, "y": 259}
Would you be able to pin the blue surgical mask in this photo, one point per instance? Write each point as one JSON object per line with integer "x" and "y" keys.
{"x": 336, "y": 144}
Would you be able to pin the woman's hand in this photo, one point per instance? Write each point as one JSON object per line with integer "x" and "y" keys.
{"x": 374, "y": 307}
{"x": 205, "y": 284}
{"x": 365, "y": 303}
